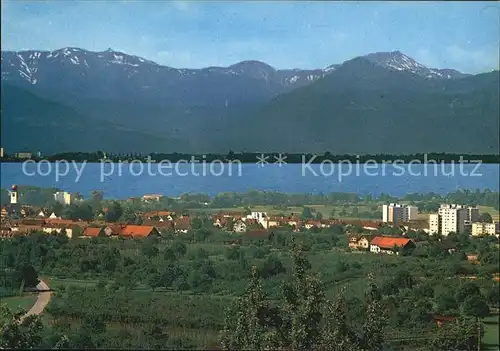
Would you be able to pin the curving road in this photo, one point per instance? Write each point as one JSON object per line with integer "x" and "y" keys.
{"x": 41, "y": 302}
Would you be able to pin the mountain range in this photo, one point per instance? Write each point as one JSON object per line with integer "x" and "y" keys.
{"x": 77, "y": 100}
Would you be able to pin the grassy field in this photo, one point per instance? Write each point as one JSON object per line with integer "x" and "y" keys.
{"x": 491, "y": 339}
{"x": 494, "y": 213}
{"x": 24, "y": 302}
{"x": 56, "y": 283}
{"x": 325, "y": 210}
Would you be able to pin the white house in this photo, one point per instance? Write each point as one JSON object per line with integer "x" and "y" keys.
{"x": 57, "y": 228}
{"x": 239, "y": 226}
{"x": 64, "y": 197}
{"x": 260, "y": 217}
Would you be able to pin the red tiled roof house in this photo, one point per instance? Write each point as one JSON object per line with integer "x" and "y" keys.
{"x": 387, "y": 244}
{"x": 92, "y": 232}
{"x": 440, "y": 320}
{"x": 138, "y": 231}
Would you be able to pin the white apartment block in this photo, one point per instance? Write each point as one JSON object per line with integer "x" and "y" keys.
{"x": 481, "y": 229}
{"x": 452, "y": 218}
{"x": 397, "y": 213}
{"x": 434, "y": 224}
{"x": 63, "y": 197}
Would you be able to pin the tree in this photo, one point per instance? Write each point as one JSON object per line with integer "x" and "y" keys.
{"x": 77, "y": 212}
{"x": 233, "y": 253}
{"x": 461, "y": 335}
{"x": 114, "y": 212}
{"x": 306, "y": 213}
{"x": 169, "y": 255}
{"x": 128, "y": 216}
{"x": 156, "y": 339}
{"x": 475, "y": 306}
{"x": 355, "y": 212}
{"x": 466, "y": 290}
{"x": 445, "y": 302}
{"x": 271, "y": 267}
{"x": 29, "y": 276}
{"x": 154, "y": 278}
{"x": 243, "y": 327}
{"x": 375, "y": 321}
{"x": 94, "y": 324}
{"x": 181, "y": 284}
{"x": 179, "y": 248}
{"x": 299, "y": 321}
{"x": 56, "y": 208}
{"x": 149, "y": 249}
{"x": 201, "y": 254}
{"x": 17, "y": 334}
{"x": 338, "y": 335}
{"x": 485, "y": 217}
{"x": 200, "y": 235}
{"x": 169, "y": 275}
{"x": 493, "y": 294}
{"x": 230, "y": 224}
{"x": 333, "y": 213}
{"x": 196, "y": 223}
{"x": 404, "y": 279}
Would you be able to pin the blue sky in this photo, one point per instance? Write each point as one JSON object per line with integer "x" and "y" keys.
{"x": 460, "y": 35}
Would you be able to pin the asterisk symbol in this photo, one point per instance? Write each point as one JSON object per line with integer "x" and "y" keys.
{"x": 262, "y": 160}
{"x": 280, "y": 160}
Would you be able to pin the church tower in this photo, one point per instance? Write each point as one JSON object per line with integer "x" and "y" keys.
{"x": 13, "y": 195}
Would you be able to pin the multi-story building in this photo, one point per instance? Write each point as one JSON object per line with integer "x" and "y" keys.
{"x": 480, "y": 229}
{"x": 472, "y": 214}
{"x": 452, "y": 218}
{"x": 397, "y": 213}
{"x": 434, "y": 224}
{"x": 411, "y": 213}
{"x": 63, "y": 197}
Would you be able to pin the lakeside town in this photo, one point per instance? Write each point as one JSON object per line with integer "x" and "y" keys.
{"x": 190, "y": 255}
{"x": 397, "y": 219}
{"x": 288, "y": 176}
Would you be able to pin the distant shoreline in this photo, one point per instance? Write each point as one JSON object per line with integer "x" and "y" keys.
{"x": 289, "y": 158}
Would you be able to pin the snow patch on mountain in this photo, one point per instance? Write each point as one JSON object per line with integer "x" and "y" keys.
{"x": 330, "y": 68}
{"x": 398, "y": 61}
{"x": 30, "y": 65}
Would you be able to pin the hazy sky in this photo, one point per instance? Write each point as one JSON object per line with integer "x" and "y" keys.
{"x": 460, "y": 35}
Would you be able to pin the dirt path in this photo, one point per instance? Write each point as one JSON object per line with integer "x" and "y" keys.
{"x": 41, "y": 302}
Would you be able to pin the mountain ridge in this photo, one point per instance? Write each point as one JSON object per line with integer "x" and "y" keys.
{"x": 66, "y": 50}
{"x": 251, "y": 105}
{"x": 74, "y": 74}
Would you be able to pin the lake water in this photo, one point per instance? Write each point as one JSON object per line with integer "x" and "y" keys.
{"x": 129, "y": 181}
